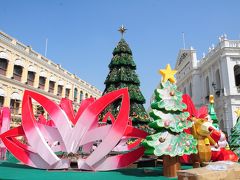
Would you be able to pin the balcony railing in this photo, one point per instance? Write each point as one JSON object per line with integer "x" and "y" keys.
{"x": 17, "y": 77}
{"x": 51, "y": 90}
{"x": 67, "y": 95}
{"x": 20, "y": 46}
{"x": 30, "y": 82}
{"x": 234, "y": 43}
{"x": 6, "y": 38}
{"x": 59, "y": 93}
{"x": 41, "y": 86}
{"x": 3, "y": 71}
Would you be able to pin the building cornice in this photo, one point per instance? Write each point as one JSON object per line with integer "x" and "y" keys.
{"x": 224, "y": 48}
{"x": 28, "y": 52}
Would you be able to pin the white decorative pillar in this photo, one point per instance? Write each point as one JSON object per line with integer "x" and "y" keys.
{"x": 24, "y": 74}
{"x": 46, "y": 88}
{"x": 36, "y": 80}
{"x": 7, "y": 96}
{"x": 10, "y": 69}
{"x": 55, "y": 88}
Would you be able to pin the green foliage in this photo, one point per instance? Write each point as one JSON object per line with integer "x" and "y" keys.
{"x": 169, "y": 121}
{"x": 122, "y": 48}
{"x": 122, "y": 60}
{"x": 213, "y": 115}
{"x": 122, "y": 74}
{"x": 235, "y": 138}
{"x": 166, "y": 143}
{"x": 137, "y": 111}
{"x": 168, "y": 98}
{"x": 174, "y": 122}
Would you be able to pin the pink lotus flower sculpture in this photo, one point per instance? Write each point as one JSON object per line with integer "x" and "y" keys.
{"x": 4, "y": 126}
{"x": 69, "y": 132}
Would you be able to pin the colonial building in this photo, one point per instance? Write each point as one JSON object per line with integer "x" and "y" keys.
{"x": 22, "y": 68}
{"x": 217, "y": 73}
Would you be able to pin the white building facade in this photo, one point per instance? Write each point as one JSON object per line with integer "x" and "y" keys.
{"x": 217, "y": 73}
{"x": 22, "y": 68}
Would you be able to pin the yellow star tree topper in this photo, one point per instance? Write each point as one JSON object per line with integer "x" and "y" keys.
{"x": 238, "y": 112}
{"x": 211, "y": 99}
{"x": 168, "y": 74}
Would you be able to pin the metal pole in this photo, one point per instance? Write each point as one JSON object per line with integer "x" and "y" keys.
{"x": 46, "y": 46}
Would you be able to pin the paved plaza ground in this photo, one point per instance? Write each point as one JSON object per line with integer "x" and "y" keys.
{"x": 11, "y": 169}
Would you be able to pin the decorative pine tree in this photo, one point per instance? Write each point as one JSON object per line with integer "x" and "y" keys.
{"x": 122, "y": 74}
{"x": 212, "y": 113}
{"x": 235, "y": 135}
{"x": 169, "y": 121}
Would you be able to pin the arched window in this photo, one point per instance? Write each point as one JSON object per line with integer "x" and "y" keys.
{"x": 86, "y": 95}
{"x": 75, "y": 94}
{"x": 14, "y": 106}
{"x": 190, "y": 89}
{"x": 207, "y": 88}
{"x": 42, "y": 81}
{"x": 60, "y": 89}
{"x": 185, "y": 90}
{"x": 218, "y": 80}
{"x": 81, "y": 96}
{"x": 67, "y": 92}
{"x": 1, "y": 101}
{"x": 15, "y": 99}
{"x": 237, "y": 75}
{"x": 17, "y": 72}
{"x": 3, "y": 66}
{"x": 51, "y": 86}
{"x": 2, "y": 94}
{"x": 30, "y": 78}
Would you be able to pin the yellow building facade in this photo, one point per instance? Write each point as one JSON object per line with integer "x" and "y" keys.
{"x": 22, "y": 68}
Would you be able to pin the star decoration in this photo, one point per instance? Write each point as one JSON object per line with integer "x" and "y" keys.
{"x": 211, "y": 99}
{"x": 238, "y": 112}
{"x": 122, "y": 30}
{"x": 168, "y": 74}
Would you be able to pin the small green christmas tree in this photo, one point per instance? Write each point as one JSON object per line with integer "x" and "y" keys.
{"x": 235, "y": 135}
{"x": 169, "y": 121}
{"x": 122, "y": 74}
{"x": 212, "y": 113}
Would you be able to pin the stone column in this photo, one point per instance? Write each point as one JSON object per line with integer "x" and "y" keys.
{"x": 36, "y": 80}
{"x": 24, "y": 74}
{"x": 7, "y": 96}
{"x": 226, "y": 79}
{"x": 55, "y": 88}
{"x": 78, "y": 95}
{"x": 20, "y": 105}
{"x": 71, "y": 94}
{"x": 64, "y": 91}
{"x": 10, "y": 69}
{"x": 46, "y": 84}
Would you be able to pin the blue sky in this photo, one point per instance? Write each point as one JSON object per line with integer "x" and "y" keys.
{"x": 82, "y": 34}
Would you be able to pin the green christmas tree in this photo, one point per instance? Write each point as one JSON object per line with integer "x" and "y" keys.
{"x": 169, "y": 121}
{"x": 122, "y": 74}
{"x": 235, "y": 135}
{"x": 212, "y": 113}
